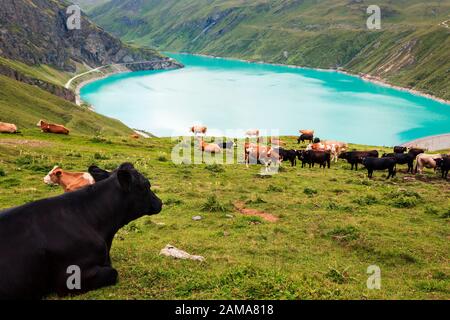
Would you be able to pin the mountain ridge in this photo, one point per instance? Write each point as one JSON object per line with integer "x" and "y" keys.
{"x": 320, "y": 34}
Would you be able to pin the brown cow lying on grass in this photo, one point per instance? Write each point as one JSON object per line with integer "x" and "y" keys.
{"x": 69, "y": 181}
{"x": 52, "y": 128}
{"x": 7, "y": 127}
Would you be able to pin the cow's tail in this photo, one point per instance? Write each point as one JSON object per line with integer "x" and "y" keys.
{"x": 415, "y": 169}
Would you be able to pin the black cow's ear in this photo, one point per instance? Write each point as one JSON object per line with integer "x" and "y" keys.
{"x": 126, "y": 166}
{"x": 125, "y": 179}
{"x": 98, "y": 174}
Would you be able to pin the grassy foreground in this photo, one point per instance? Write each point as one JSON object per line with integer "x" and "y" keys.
{"x": 332, "y": 224}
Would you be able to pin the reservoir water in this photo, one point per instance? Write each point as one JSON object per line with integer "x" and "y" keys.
{"x": 231, "y": 96}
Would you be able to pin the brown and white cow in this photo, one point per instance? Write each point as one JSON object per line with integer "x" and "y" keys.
{"x": 424, "y": 160}
{"x": 263, "y": 154}
{"x": 52, "y": 128}
{"x": 334, "y": 147}
{"x": 69, "y": 181}
{"x": 209, "y": 147}
{"x": 198, "y": 130}
{"x": 7, "y": 127}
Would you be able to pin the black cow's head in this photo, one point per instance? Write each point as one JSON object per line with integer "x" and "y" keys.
{"x": 134, "y": 185}
{"x": 344, "y": 155}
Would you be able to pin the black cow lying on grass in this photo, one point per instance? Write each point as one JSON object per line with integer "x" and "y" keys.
{"x": 372, "y": 164}
{"x": 288, "y": 155}
{"x": 444, "y": 165}
{"x": 42, "y": 240}
{"x": 323, "y": 158}
{"x": 355, "y": 157}
{"x": 402, "y": 158}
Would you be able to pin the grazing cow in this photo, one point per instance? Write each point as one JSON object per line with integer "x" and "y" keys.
{"x": 288, "y": 155}
{"x": 372, "y": 164}
{"x": 209, "y": 147}
{"x": 444, "y": 165}
{"x": 323, "y": 158}
{"x": 355, "y": 157}
{"x": 402, "y": 158}
{"x": 198, "y": 130}
{"x": 416, "y": 151}
{"x": 311, "y": 132}
{"x": 306, "y": 137}
{"x": 426, "y": 161}
{"x": 7, "y": 127}
{"x": 52, "y": 128}
{"x": 44, "y": 243}
{"x": 69, "y": 181}
{"x": 252, "y": 133}
{"x": 261, "y": 155}
{"x": 399, "y": 149}
{"x": 334, "y": 147}
{"x": 135, "y": 136}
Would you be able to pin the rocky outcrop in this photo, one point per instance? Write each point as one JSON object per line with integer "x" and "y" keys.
{"x": 35, "y": 32}
{"x": 50, "y": 87}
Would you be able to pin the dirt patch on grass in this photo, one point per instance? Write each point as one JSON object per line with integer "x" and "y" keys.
{"x": 240, "y": 206}
{"x": 21, "y": 142}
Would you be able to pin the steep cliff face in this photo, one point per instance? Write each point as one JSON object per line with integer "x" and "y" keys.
{"x": 35, "y": 32}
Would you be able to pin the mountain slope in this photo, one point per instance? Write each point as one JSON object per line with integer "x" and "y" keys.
{"x": 24, "y": 105}
{"x": 319, "y": 33}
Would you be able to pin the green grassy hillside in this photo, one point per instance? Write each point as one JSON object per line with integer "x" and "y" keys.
{"x": 332, "y": 224}
{"x": 412, "y": 49}
{"x": 25, "y": 105}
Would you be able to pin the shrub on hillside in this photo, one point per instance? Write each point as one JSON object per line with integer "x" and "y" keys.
{"x": 213, "y": 205}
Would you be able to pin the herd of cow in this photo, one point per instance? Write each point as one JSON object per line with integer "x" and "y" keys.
{"x": 324, "y": 152}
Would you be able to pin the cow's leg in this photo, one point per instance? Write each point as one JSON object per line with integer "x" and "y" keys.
{"x": 99, "y": 277}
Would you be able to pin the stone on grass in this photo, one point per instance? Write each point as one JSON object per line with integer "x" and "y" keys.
{"x": 171, "y": 251}
{"x": 197, "y": 218}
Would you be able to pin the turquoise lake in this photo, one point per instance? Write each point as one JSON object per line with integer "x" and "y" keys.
{"x": 232, "y": 96}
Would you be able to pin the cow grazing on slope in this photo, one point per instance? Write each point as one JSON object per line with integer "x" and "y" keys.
{"x": 444, "y": 165}
{"x": 311, "y": 157}
{"x": 69, "y": 181}
{"x": 41, "y": 240}
{"x": 426, "y": 161}
{"x": 52, "y": 128}
{"x": 402, "y": 158}
{"x": 373, "y": 164}
{"x": 288, "y": 155}
{"x": 261, "y": 155}
{"x": 7, "y": 127}
{"x": 355, "y": 157}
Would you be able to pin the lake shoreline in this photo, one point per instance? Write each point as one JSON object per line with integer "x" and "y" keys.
{"x": 363, "y": 76}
